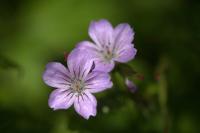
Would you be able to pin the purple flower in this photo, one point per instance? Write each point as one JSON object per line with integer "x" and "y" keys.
{"x": 131, "y": 86}
{"x": 75, "y": 84}
{"x": 110, "y": 44}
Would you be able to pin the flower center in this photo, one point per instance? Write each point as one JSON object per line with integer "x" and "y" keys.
{"x": 107, "y": 54}
{"x": 77, "y": 86}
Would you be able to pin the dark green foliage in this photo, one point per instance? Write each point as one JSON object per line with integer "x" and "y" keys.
{"x": 35, "y": 32}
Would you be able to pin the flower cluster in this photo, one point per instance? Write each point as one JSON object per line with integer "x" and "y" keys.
{"x": 88, "y": 67}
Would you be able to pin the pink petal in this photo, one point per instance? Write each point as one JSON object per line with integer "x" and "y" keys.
{"x": 56, "y": 75}
{"x": 103, "y": 66}
{"x": 61, "y": 99}
{"x": 125, "y": 54}
{"x": 123, "y": 34}
{"x": 79, "y": 62}
{"x": 89, "y": 47}
{"x": 85, "y": 105}
{"x": 101, "y": 32}
{"x": 98, "y": 81}
{"x": 86, "y": 45}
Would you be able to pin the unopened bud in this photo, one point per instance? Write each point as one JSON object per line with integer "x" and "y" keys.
{"x": 131, "y": 86}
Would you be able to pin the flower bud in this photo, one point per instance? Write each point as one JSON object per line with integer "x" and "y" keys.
{"x": 131, "y": 86}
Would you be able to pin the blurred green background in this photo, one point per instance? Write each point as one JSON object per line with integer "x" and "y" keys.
{"x": 35, "y": 32}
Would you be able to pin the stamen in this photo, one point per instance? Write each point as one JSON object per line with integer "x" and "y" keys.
{"x": 77, "y": 86}
{"x": 107, "y": 53}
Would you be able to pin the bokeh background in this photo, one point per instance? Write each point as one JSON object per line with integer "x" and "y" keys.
{"x": 35, "y": 32}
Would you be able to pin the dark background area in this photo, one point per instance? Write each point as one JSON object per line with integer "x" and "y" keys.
{"x": 167, "y": 36}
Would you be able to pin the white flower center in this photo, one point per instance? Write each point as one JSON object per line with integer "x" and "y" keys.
{"x": 77, "y": 86}
{"x": 108, "y": 54}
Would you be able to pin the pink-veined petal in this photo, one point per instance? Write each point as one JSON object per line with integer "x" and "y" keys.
{"x": 79, "y": 62}
{"x": 89, "y": 47}
{"x": 101, "y": 32}
{"x": 85, "y": 105}
{"x": 56, "y": 75}
{"x": 103, "y": 65}
{"x": 61, "y": 99}
{"x": 86, "y": 45}
{"x": 123, "y": 34}
{"x": 125, "y": 54}
{"x": 98, "y": 81}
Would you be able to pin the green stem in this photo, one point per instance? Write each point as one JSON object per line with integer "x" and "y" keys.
{"x": 163, "y": 94}
{"x": 163, "y": 103}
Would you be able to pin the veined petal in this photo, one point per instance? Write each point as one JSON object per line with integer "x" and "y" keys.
{"x": 103, "y": 66}
{"x": 90, "y": 97}
{"x": 123, "y": 35}
{"x": 56, "y": 75}
{"x": 85, "y": 105}
{"x": 125, "y": 54}
{"x": 101, "y": 32}
{"x": 61, "y": 99}
{"x": 79, "y": 62}
{"x": 98, "y": 81}
{"x": 89, "y": 47}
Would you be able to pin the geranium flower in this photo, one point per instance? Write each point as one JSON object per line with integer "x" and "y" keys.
{"x": 75, "y": 83}
{"x": 110, "y": 44}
